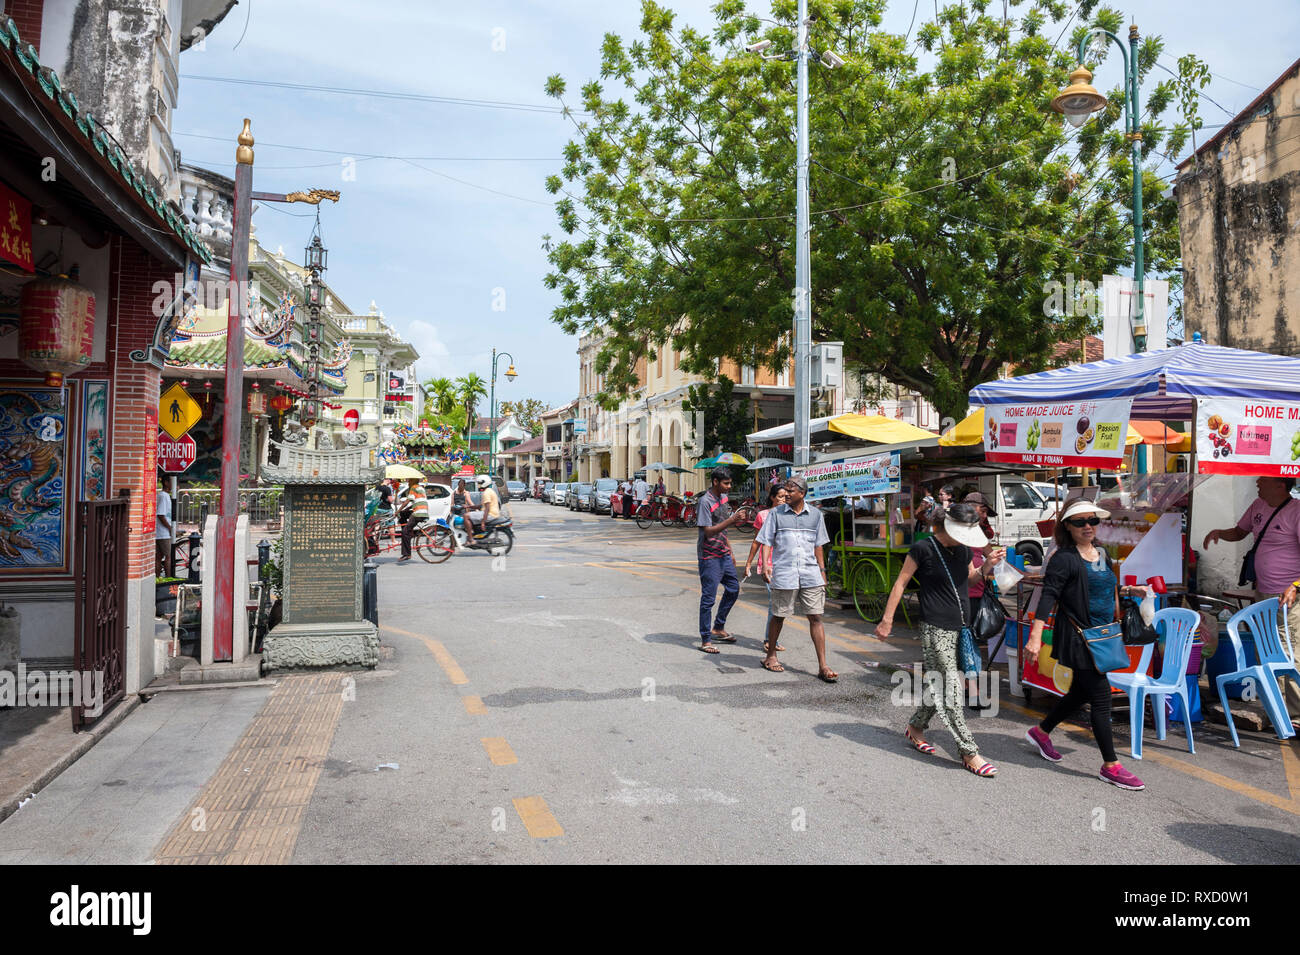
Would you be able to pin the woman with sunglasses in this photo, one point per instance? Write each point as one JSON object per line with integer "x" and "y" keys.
{"x": 1080, "y": 586}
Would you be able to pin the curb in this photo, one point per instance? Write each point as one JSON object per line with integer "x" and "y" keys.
{"x": 89, "y": 738}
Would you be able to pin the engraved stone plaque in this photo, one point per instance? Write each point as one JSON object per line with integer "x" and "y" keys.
{"x": 323, "y": 553}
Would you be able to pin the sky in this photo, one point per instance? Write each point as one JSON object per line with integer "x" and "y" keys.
{"x": 447, "y": 241}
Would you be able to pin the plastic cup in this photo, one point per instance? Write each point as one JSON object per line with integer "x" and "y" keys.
{"x": 1130, "y": 580}
{"x": 1157, "y": 584}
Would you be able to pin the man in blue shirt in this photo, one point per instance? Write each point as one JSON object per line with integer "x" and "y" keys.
{"x": 795, "y": 534}
{"x": 713, "y": 517}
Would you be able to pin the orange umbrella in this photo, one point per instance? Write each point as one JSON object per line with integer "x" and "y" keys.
{"x": 1153, "y": 432}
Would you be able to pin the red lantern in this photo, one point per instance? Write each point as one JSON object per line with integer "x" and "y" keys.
{"x": 281, "y": 403}
{"x": 56, "y": 332}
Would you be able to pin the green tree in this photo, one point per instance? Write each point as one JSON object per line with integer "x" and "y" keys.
{"x": 469, "y": 389}
{"x": 527, "y": 412}
{"x": 718, "y": 420}
{"x": 944, "y": 201}
{"x": 443, "y": 396}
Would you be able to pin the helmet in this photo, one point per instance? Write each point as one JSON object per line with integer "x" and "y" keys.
{"x": 483, "y": 480}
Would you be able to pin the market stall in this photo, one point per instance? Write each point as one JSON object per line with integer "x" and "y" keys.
{"x": 1242, "y": 407}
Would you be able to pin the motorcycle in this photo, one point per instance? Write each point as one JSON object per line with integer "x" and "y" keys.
{"x": 497, "y": 540}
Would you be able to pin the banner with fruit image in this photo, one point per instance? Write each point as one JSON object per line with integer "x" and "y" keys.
{"x": 1240, "y": 436}
{"x": 1052, "y": 434}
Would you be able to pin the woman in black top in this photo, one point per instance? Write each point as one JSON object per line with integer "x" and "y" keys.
{"x": 1080, "y": 586}
{"x": 943, "y": 568}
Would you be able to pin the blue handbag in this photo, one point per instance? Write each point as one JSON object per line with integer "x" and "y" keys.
{"x": 1106, "y": 644}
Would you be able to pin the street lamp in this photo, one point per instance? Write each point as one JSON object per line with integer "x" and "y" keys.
{"x": 511, "y": 375}
{"x": 803, "y": 269}
{"x": 314, "y": 261}
{"x": 1080, "y": 100}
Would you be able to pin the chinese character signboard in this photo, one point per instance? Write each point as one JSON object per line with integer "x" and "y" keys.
{"x": 1239, "y": 436}
{"x": 1071, "y": 434}
{"x": 16, "y": 230}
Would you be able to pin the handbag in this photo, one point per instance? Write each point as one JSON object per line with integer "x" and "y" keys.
{"x": 1137, "y": 632}
{"x": 1106, "y": 644}
{"x": 968, "y": 655}
{"x": 1248, "y": 575}
{"x": 990, "y": 617}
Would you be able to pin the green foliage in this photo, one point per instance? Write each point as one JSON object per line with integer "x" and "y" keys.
{"x": 718, "y": 420}
{"x": 469, "y": 389}
{"x": 943, "y": 201}
{"x": 527, "y": 412}
{"x": 442, "y": 396}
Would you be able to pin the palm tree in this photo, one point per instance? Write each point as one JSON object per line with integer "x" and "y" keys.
{"x": 443, "y": 395}
{"x": 470, "y": 389}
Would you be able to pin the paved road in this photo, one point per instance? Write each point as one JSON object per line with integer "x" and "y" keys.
{"x": 556, "y": 709}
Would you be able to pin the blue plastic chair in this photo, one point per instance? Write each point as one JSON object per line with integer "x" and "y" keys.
{"x": 1261, "y": 620}
{"x": 1179, "y": 626}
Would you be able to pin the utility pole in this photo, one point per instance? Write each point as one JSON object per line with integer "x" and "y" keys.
{"x": 802, "y": 267}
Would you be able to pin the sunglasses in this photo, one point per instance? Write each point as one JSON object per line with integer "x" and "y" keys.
{"x": 1084, "y": 521}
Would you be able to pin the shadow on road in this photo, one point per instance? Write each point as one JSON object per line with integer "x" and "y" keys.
{"x": 1237, "y": 844}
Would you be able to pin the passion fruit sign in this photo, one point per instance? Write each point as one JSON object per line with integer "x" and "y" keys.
{"x": 1058, "y": 434}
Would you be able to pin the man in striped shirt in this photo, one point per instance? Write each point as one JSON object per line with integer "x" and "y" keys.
{"x": 713, "y": 517}
{"x": 415, "y": 513}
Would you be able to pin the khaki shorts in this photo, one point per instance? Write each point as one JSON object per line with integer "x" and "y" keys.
{"x": 804, "y": 602}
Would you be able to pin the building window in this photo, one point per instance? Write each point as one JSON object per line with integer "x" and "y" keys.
{"x": 746, "y": 374}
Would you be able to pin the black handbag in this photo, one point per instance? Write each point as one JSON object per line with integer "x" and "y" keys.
{"x": 990, "y": 617}
{"x": 1248, "y": 576}
{"x": 1137, "y": 632}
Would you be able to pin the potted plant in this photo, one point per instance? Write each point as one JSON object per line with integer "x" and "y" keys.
{"x": 165, "y": 594}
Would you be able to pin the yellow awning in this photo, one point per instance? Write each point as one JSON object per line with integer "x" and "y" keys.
{"x": 969, "y": 430}
{"x": 877, "y": 429}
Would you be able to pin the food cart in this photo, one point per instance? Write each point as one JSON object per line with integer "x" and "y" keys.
{"x": 1244, "y": 408}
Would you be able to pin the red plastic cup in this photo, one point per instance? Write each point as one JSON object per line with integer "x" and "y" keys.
{"x": 1157, "y": 584}
{"x": 1130, "y": 580}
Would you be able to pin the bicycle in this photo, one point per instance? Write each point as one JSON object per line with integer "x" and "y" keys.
{"x": 424, "y": 539}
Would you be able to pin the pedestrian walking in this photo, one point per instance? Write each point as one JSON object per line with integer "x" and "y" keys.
{"x": 415, "y": 513}
{"x": 795, "y": 533}
{"x": 713, "y": 516}
{"x": 978, "y": 556}
{"x": 940, "y": 564}
{"x": 775, "y": 498}
{"x": 163, "y": 530}
{"x": 640, "y": 491}
{"x": 1079, "y": 585}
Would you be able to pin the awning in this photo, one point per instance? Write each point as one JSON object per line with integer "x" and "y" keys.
{"x": 1153, "y": 432}
{"x": 969, "y": 430}
{"x": 878, "y": 429}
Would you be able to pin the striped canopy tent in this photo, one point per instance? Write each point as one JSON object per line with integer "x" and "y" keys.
{"x": 970, "y": 431}
{"x": 1164, "y": 384}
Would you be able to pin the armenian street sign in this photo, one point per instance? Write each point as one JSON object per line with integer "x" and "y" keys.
{"x": 177, "y": 411}
{"x": 175, "y": 455}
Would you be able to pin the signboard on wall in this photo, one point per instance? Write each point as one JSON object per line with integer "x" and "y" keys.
{"x": 149, "y": 489}
{"x": 1053, "y": 434}
{"x": 1238, "y": 436}
{"x": 16, "y": 229}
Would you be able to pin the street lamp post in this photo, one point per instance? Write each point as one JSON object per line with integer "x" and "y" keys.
{"x": 1081, "y": 99}
{"x": 802, "y": 254}
{"x": 511, "y": 374}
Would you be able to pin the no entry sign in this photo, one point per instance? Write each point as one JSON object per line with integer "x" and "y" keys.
{"x": 175, "y": 455}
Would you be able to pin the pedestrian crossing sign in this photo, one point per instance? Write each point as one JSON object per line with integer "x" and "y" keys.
{"x": 177, "y": 411}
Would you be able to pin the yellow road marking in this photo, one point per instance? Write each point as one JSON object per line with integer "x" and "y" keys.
{"x": 537, "y": 818}
{"x": 444, "y": 658}
{"x": 474, "y": 705}
{"x": 499, "y": 751}
{"x": 1291, "y": 762}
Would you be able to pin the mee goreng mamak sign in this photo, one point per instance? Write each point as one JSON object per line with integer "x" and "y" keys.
{"x": 873, "y": 474}
{"x": 1086, "y": 433}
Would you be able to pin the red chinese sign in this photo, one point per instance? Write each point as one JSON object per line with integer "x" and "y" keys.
{"x": 16, "y": 230}
{"x": 149, "y": 492}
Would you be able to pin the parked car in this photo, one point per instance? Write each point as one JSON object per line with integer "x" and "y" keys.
{"x": 1050, "y": 492}
{"x": 560, "y": 495}
{"x": 548, "y": 492}
{"x": 518, "y": 490}
{"x": 439, "y": 498}
{"x": 580, "y": 497}
{"x": 600, "y": 496}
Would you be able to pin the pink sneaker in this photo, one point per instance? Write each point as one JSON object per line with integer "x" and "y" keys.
{"x": 1045, "y": 748}
{"x": 1121, "y": 777}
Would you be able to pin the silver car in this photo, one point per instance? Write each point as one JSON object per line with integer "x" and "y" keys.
{"x": 580, "y": 497}
{"x": 600, "y": 497}
{"x": 561, "y": 494}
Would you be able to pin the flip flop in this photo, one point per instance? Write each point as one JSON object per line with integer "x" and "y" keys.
{"x": 987, "y": 770}
{"x": 774, "y": 667}
{"x": 779, "y": 648}
{"x": 834, "y": 678}
{"x": 918, "y": 744}
{"x": 723, "y": 637}
{"x": 708, "y": 648}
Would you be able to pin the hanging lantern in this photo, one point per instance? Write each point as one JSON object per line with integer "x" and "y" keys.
{"x": 280, "y": 404}
{"x": 256, "y": 400}
{"x": 207, "y": 394}
{"x": 56, "y": 332}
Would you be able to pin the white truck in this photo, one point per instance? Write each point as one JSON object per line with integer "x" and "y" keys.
{"x": 1019, "y": 509}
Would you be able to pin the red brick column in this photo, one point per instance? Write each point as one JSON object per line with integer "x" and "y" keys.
{"x": 27, "y": 15}
{"x": 135, "y": 390}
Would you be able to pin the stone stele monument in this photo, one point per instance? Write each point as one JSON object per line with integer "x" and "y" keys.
{"x": 322, "y": 623}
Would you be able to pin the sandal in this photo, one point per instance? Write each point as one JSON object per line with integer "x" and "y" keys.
{"x": 723, "y": 637}
{"x": 919, "y": 744}
{"x": 708, "y": 648}
{"x": 779, "y": 648}
{"x": 828, "y": 676}
{"x": 987, "y": 769}
{"x": 773, "y": 666}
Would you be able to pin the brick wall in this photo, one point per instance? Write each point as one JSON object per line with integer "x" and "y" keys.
{"x": 27, "y": 15}
{"x": 134, "y": 389}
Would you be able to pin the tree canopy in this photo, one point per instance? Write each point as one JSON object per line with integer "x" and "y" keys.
{"x": 944, "y": 199}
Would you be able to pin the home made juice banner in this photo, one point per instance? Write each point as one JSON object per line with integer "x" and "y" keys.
{"x": 1237, "y": 436}
{"x": 1054, "y": 433}
{"x": 875, "y": 474}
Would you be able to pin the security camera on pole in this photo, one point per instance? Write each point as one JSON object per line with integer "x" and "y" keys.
{"x": 802, "y": 256}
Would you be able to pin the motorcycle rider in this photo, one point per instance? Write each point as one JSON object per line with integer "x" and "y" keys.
{"x": 489, "y": 505}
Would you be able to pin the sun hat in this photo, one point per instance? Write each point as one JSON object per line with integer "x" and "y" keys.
{"x": 964, "y": 531}
{"x": 975, "y": 497}
{"x": 1080, "y": 506}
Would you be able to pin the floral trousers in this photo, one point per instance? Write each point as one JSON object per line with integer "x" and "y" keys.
{"x": 939, "y": 649}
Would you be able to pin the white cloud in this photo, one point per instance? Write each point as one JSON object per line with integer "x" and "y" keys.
{"x": 435, "y": 357}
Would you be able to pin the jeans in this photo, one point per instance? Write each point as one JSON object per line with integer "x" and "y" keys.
{"x": 714, "y": 571}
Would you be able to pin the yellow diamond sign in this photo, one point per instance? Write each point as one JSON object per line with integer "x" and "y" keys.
{"x": 177, "y": 411}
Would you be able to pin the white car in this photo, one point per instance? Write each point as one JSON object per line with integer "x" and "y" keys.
{"x": 1050, "y": 492}
{"x": 561, "y": 495}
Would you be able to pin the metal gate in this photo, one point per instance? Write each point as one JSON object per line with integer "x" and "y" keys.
{"x": 101, "y": 559}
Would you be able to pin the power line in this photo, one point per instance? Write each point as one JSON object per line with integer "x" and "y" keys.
{"x": 359, "y": 154}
